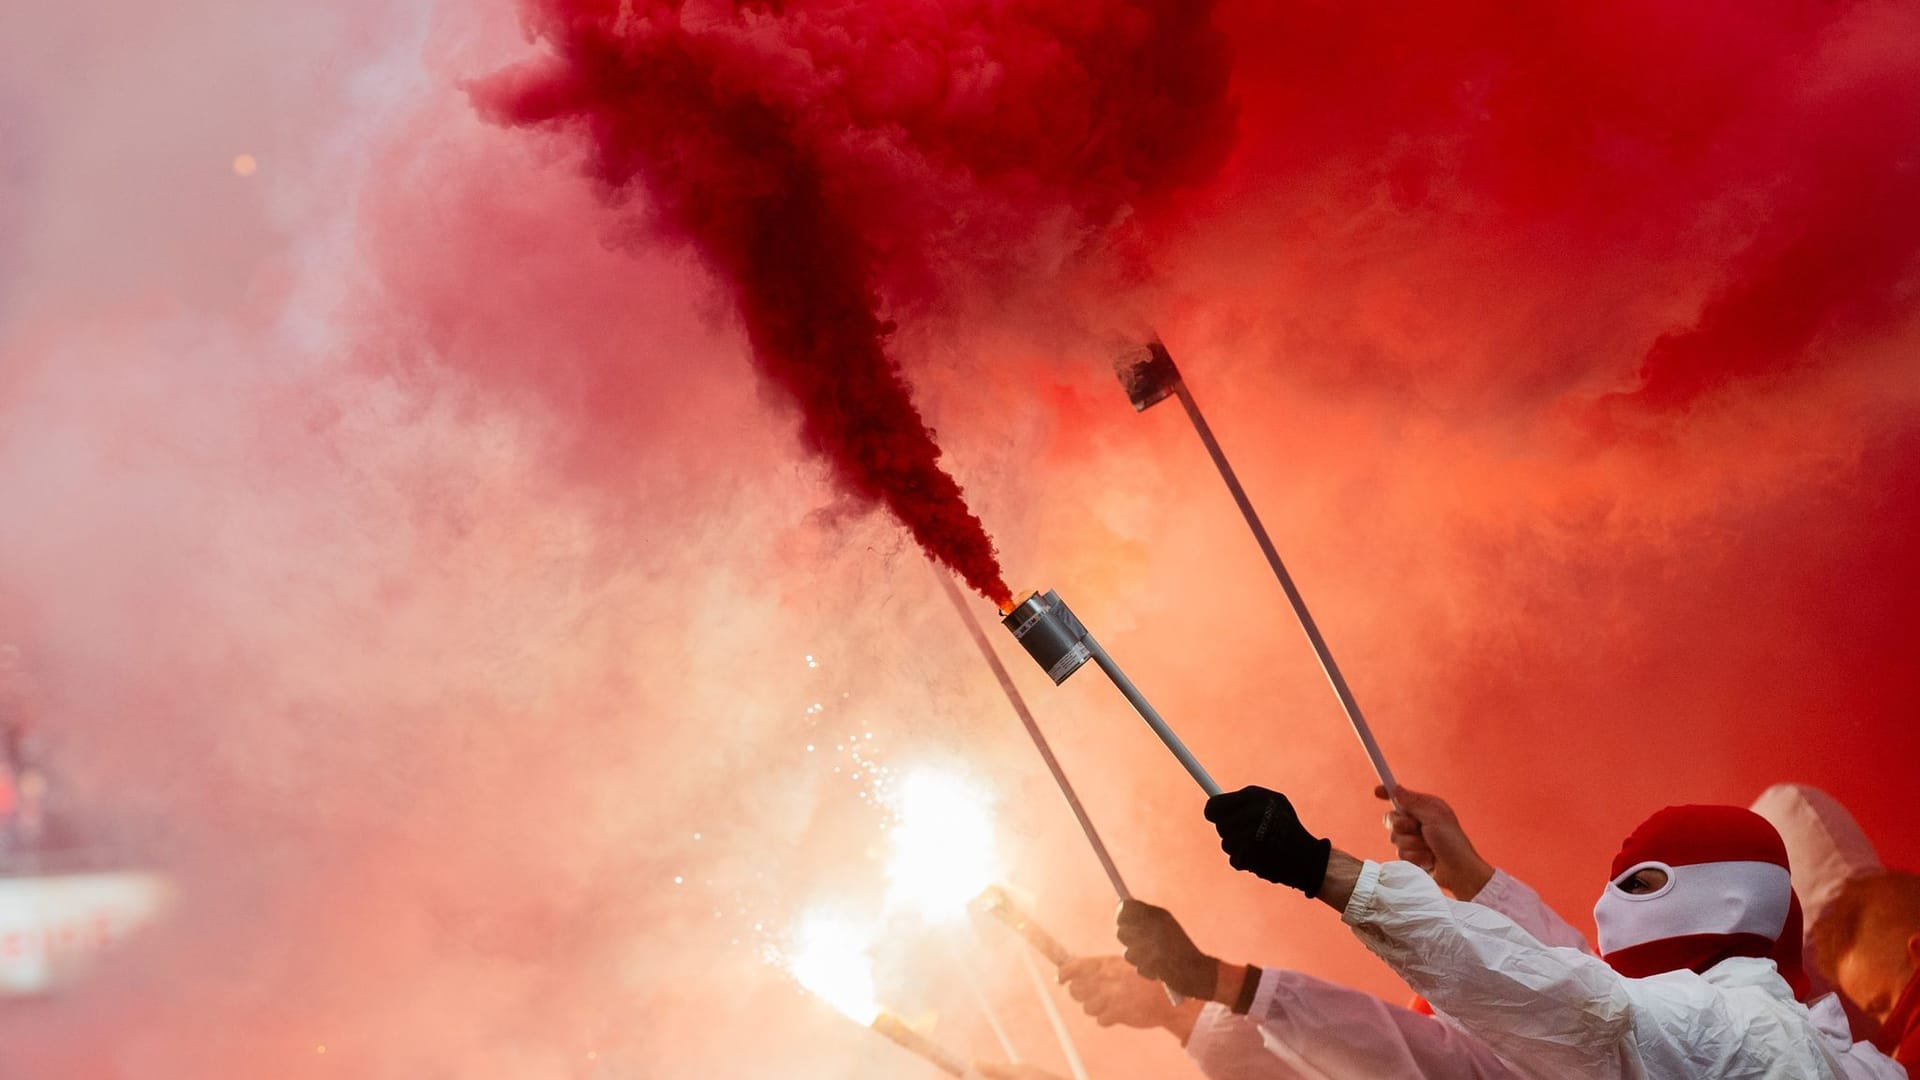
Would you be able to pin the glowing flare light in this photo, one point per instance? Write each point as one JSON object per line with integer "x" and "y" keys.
{"x": 941, "y": 845}
{"x": 832, "y": 959}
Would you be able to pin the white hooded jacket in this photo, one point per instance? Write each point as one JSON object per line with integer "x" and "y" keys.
{"x": 1303, "y": 1028}
{"x": 1557, "y": 1012}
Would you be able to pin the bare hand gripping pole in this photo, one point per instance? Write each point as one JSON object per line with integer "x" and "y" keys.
{"x": 1057, "y": 641}
{"x": 1033, "y": 731}
{"x": 1149, "y": 375}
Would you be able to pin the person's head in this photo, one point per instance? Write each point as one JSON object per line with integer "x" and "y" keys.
{"x": 1868, "y": 940}
{"x": 1695, "y": 885}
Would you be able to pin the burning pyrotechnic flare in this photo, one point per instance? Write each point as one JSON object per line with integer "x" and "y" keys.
{"x": 1150, "y": 377}
{"x": 1060, "y": 644}
{"x": 942, "y": 856}
{"x": 832, "y": 959}
{"x": 941, "y": 844}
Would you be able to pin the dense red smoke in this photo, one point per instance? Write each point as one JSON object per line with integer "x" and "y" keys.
{"x": 407, "y": 567}
{"x": 815, "y": 153}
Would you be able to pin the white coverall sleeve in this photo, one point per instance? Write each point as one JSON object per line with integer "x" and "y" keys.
{"x": 1516, "y": 900}
{"x": 1303, "y": 1028}
{"x": 1350, "y": 1035}
{"x": 1559, "y": 1012}
{"x": 1550, "y": 1011}
{"x": 1230, "y": 1047}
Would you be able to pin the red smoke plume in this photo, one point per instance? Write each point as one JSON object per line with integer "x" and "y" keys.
{"x": 755, "y": 132}
{"x": 452, "y": 784}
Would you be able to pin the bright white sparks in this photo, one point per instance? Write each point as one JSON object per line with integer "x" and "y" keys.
{"x": 832, "y": 958}
{"x": 941, "y": 844}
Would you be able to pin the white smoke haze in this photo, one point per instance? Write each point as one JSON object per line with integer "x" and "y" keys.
{"x": 408, "y": 564}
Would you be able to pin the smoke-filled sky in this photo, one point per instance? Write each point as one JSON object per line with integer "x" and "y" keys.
{"x": 439, "y": 549}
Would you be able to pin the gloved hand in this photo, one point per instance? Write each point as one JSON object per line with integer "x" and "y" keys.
{"x": 1159, "y": 949}
{"x": 1262, "y": 835}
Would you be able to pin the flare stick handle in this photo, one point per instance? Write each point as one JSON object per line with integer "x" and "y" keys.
{"x": 1152, "y": 717}
{"x": 998, "y": 904}
{"x": 1319, "y": 643}
{"x": 905, "y": 1037}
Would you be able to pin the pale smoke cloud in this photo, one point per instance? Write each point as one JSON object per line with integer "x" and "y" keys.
{"x": 409, "y": 564}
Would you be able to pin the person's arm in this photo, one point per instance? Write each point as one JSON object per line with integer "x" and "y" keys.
{"x": 1342, "y": 1032}
{"x": 1513, "y": 898}
{"x": 1552, "y": 1008}
{"x": 1307, "y": 1028}
{"x": 1225, "y": 1046}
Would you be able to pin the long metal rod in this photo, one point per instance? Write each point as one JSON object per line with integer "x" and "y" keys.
{"x": 1320, "y": 650}
{"x": 1020, "y": 709}
{"x": 1067, "y": 1048}
{"x": 1151, "y": 716}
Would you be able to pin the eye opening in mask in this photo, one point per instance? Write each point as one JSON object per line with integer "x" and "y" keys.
{"x": 1644, "y": 881}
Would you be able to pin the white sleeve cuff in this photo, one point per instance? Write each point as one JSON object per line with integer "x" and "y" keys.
{"x": 1497, "y": 893}
{"x": 1366, "y": 892}
{"x": 1207, "y": 1029}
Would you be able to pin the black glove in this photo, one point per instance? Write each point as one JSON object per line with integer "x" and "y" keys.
{"x": 1159, "y": 949}
{"x": 1262, "y": 835}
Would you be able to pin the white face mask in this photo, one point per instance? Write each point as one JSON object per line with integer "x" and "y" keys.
{"x": 1702, "y": 899}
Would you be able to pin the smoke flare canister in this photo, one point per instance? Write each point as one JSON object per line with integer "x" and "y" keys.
{"x": 1148, "y": 373}
{"x": 906, "y": 1038}
{"x": 1051, "y": 634}
{"x": 1061, "y": 645}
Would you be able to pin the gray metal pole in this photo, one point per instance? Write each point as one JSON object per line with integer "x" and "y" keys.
{"x": 1319, "y": 643}
{"x": 1152, "y": 717}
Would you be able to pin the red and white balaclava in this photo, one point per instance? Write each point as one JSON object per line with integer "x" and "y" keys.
{"x": 1727, "y": 894}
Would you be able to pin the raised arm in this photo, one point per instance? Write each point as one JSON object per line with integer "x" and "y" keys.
{"x": 1526, "y": 1000}
{"x": 1342, "y": 1032}
{"x": 1311, "y": 1028}
{"x": 1425, "y": 831}
{"x": 1226, "y": 1046}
